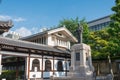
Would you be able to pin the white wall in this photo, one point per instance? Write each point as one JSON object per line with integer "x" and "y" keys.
{"x": 50, "y": 42}
{"x": 50, "y": 73}
{"x": 58, "y": 42}
{"x": 38, "y": 74}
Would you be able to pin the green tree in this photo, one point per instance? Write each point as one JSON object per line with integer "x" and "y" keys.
{"x": 72, "y": 26}
{"x": 114, "y": 30}
{"x": 99, "y": 44}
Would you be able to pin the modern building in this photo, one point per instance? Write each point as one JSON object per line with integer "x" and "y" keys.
{"x": 99, "y": 23}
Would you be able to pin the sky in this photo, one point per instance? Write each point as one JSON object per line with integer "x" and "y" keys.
{"x": 30, "y": 16}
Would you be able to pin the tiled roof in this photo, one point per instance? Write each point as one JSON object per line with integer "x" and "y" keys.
{"x": 25, "y": 44}
{"x": 39, "y": 33}
{"x": 6, "y": 23}
{"x": 5, "y": 26}
{"x": 54, "y": 30}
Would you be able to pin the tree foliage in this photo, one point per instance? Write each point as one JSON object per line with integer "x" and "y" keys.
{"x": 114, "y": 30}
{"x": 98, "y": 44}
{"x": 72, "y": 26}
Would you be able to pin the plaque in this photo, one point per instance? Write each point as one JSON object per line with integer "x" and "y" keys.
{"x": 77, "y": 56}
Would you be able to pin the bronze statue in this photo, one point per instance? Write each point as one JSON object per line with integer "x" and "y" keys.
{"x": 79, "y": 33}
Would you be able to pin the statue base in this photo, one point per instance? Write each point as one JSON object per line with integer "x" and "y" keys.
{"x": 81, "y": 64}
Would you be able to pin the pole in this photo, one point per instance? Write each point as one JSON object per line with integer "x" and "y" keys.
{"x": 110, "y": 67}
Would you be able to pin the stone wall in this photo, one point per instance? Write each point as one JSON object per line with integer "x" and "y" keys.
{"x": 69, "y": 78}
{"x": 102, "y": 67}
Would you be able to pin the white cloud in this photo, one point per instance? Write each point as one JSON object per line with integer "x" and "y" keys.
{"x": 5, "y": 17}
{"x": 16, "y": 19}
{"x": 23, "y": 31}
{"x": 35, "y": 30}
{"x": 19, "y": 19}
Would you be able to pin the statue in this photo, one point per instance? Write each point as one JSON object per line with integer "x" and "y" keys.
{"x": 79, "y": 33}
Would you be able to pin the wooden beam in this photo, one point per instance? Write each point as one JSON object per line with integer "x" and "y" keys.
{"x": 17, "y": 68}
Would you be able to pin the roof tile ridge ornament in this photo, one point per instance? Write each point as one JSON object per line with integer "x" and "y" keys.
{"x": 79, "y": 32}
{"x": 6, "y": 23}
{"x": 10, "y": 23}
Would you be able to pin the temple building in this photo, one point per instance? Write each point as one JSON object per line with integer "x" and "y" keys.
{"x": 59, "y": 37}
{"x": 40, "y": 55}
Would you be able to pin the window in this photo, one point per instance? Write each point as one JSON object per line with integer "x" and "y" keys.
{"x": 69, "y": 63}
{"x": 47, "y": 65}
{"x": 35, "y": 64}
{"x": 77, "y": 56}
{"x": 59, "y": 66}
{"x": 59, "y": 34}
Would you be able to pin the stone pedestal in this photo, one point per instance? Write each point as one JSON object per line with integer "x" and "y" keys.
{"x": 81, "y": 64}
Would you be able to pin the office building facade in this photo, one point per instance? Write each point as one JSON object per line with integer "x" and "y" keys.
{"x": 99, "y": 24}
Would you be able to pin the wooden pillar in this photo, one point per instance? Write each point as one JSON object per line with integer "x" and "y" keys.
{"x": 65, "y": 67}
{"x": 53, "y": 65}
{"x": 28, "y": 61}
{"x": 0, "y": 62}
{"x": 17, "y": 68}
{"x": 42, "y": 67}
